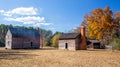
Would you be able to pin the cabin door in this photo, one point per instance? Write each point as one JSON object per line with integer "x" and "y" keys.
{"x": 66, "y": 45}
{"x": 31, "y": 44}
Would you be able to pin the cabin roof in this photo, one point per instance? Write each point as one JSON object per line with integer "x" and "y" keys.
{"x": 69, "y": 36}
{"x": 24, "y": 32}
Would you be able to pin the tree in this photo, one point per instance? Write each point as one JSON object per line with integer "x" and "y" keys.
{"x": 116, "y": 37}
{"x": 55, "y": 39}
{"x": 48, "y": 41}
{"x": 48, "y": 33}
{"x": 100, "y": 24}
{"x": 46, "y": 36}
{"x": 76, "y": 30}
{"x": 3, "y": 31}
{"x": 117, "y": 24}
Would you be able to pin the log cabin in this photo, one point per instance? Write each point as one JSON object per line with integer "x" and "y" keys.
{"x": 18, "y": 38}
{"x": 73, "y": 41}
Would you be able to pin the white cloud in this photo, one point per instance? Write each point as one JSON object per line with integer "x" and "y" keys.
{"x": 25, "y": 15}
{"x": 32, "y": 20}
{"x": 2, "y": 11}
{"x": 44, "y": 24}
{"x": 27, "y": 20}
{"x": 20, "y": 11}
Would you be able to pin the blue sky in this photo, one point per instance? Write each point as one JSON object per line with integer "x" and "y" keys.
{"x": 56, "y": 15}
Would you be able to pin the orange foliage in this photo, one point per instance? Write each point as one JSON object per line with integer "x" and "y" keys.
{"x": 100, "y": 23}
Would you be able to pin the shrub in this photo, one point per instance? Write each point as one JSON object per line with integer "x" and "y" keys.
{"x": 115, "y": 43}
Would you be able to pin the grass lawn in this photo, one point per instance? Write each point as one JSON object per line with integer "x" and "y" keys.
{"x": 49, "y": 57}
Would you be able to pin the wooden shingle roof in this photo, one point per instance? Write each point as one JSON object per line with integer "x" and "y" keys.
{"x": 24, "y": 32}
{"x": 69, "y": 36}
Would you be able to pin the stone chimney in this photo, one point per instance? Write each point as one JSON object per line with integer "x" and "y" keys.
{"x": 83, "y": 44}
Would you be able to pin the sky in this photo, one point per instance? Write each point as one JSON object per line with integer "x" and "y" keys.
{"x": 55, "y": 15}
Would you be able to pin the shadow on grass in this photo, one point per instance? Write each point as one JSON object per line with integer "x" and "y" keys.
{"x": 33, "y": 49}
{"x": 44, "y": 48}
{"x": 14, "y": 55}
{"x": 48, "y": 48}
{"x": 96, "y": 49}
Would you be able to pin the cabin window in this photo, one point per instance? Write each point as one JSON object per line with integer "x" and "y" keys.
{"x": 66, "y": 45}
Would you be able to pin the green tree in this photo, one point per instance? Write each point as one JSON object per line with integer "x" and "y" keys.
{"x": 48, "y": 41}
{"x": 117, "y": 24}
{"x": 3, "y": 31}
{"x": 47, "y": 35}
{"x": 116, "y": 39}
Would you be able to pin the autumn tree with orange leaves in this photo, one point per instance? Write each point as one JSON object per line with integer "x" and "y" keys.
{"x": 100, "y": 24}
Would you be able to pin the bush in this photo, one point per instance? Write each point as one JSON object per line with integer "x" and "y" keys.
{"x": 116, "y": 43}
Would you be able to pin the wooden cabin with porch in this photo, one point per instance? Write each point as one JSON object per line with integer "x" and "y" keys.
{"x": 17, "y": 38}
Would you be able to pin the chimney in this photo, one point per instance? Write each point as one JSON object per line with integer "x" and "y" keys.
{"x": 83, "y": 44}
